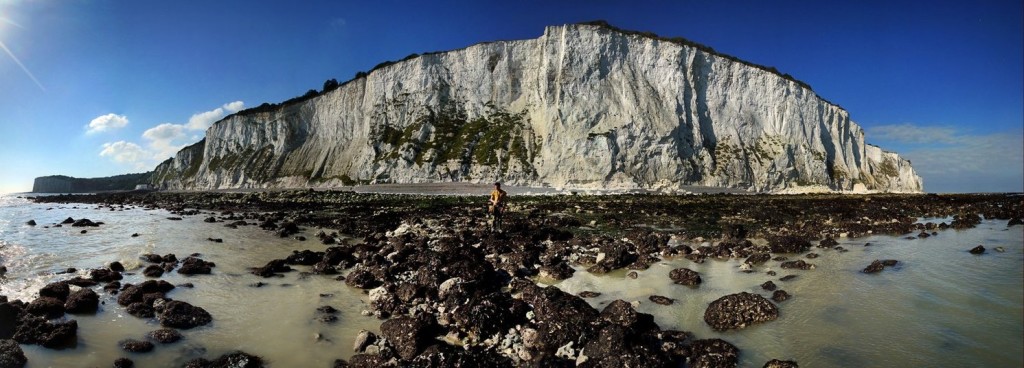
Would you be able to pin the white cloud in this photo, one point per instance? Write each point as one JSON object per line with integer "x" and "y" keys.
{"x": 106, "y": 122}
{"x": 951, "y": 160}
{"x": 165, "y": 140}
{"x": 233, "y": 107}
{"x": 126, "y": 153}
{"x": 203, "y": 120}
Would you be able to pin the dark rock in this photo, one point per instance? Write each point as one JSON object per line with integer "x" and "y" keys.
{"x": 153, "y": 271}
{"x": 362, "y": 278}
{"x": 152, "y": 258}
{"x": 758, "y": 258}
{"x": 658, "y": 299}
{"x": 797, "y": 264}
{"x": 210, "y": 219}
{"x": 136, "y": 293}
{"x": 31, "y": 223}
{"x": 768, "y": 285}
{"x": 56, "y": 290}
{"x": 215, "y": 240}
{"x": 977, "y": 250}
{"x": 787, "y": 278}
{"x": 775, "y": 363}
{"x": 54, "y": 335}
{"x": 84, "y": 223}
{"x": 740, "y": 310}
{"x": 557, "y": 271}
{"x": 877, "y": 265}
{"x": 589, "y": 294}
{"x": 788, "y": 244}
{"x": 713, "y": 353}
{"x": 174, "y": 218}
{"x": 827, "y": 243}
{"x": 116, "y": 266}
{"x": 632, "y": 275}
{"x": 104, "y": 275}
{"x": 195, "y": 266}
{"x": 363, "y": 339}
{"x": 812, "y": 255}
{"x": 136, "y": 346}
{"x": 304, "y": 257}
{"x": 141, "y": 310}
{"x": 324, "y": 268}
{"x": 179, "y": 314}
{"x": 408, "y": 335}
{"x": 780, "y": 295}
{"x": 889, "y": 262}
{"x": 685, "y": 276}
{"x": 82, "y": 301}
{"x": 165, "y": 335}
{"x": 68, "y": 221}
{"x": 123, "y": 363}
{"x": 11, "y": 355}
{"x": 80, "y": 282}
{"x": 9, "y": 314}
{"x": 169, "y": 258}
{"x": 1015, "y": 221}
{"x": 237, "y": 359}
{"x": 272, "y": 268}
{"x": 46, "y": 307}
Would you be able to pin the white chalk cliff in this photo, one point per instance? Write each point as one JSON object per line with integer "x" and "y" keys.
{"x": 583, "y": 106}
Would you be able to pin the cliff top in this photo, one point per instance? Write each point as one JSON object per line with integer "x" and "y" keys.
{"x": 332, "y": 84}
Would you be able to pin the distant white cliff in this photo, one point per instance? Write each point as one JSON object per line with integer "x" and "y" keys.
{"x": 583, "y": 106}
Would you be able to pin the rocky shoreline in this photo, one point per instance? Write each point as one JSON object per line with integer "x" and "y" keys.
{"x": 452, "y": 293}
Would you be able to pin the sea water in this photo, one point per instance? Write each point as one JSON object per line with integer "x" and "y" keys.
{"x": 276, "y": 321}
{"x": 940, "y": 306}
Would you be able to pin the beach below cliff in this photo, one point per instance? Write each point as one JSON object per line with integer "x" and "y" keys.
{"x": 373, "y": 278}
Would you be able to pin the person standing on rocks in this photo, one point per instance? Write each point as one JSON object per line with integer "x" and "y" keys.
{"x": 499, "y": 198}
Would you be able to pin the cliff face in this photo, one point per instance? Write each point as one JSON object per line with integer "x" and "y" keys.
{"x": 582, "y": 106}
{"x": 67, "y": 184}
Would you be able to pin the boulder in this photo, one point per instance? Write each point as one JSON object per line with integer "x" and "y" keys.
{"x": 116, "y": 266}
{"x": 685, "y": 276}
{"x": 82, "y": 301}
{"x": 736, "y": 311}
{"x": 165, "y": 335}
{"x": 104, "y": 275}
{"x": 408, "y": 335}
{"x": 780, "y": 295}
{"x": 11, "y": 355}
{"x": 658, "y": 299}
{"x": 977, "y": 250}
{"x": 136, "y": 346}
{"x": 179, "y": 314}
{"x": 713, "y": 353}
{"x": 123, "y": 362}
{"x": 54, "y": 335}
{"x": 768, "y": 285}
{"x": 195, "y": 266}
{"x": 153, "y": 271}
{"x": 56, "y": 290}
{"x": 84, "y": 223}
{"x": 797, "y": 264}
{"x": 46, "y": 307}
{"x": 758, "y": 258}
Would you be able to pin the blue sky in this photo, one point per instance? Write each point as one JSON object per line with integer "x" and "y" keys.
{"x": 96, "y": 87}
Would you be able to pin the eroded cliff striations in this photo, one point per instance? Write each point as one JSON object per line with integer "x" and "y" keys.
{"x": 583, "y": 106}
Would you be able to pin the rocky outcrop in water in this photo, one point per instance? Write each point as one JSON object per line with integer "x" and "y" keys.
{"x": 740, "y": 310}
{"x": 583, "y": 105}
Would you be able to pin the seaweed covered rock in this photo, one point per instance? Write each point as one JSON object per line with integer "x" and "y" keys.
{"x": 685, "y": 276}
{"x": 179, "y": 314}
{"x": 408, "y": 335}
{"x": 775, "y": 363}
{"x": 46, "y": 307}
{"x": 165, "y": 335}
{"x": 195, "y": 266}
{"x": 54, "y": 335}
{"x": 57, "y": 290}
{"x": 82, "y": 301}
{"x": 788, "y": 244}
{"x": 11, "y": 355}
{"x": 797, "y": 264}
{"x": 713, "y": 353}
{"x": 739, "y": 310}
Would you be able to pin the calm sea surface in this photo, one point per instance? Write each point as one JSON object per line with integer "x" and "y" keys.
{"x": 941, "y": 306}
